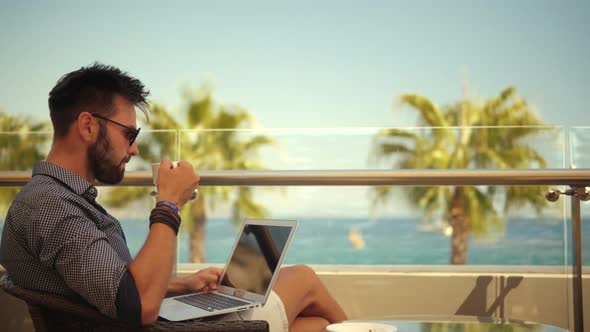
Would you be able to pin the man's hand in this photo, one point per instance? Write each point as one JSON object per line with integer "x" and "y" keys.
{"x": 203, "y": 280}
{"x": 200, "y": 281}
{"x": 176, "y": 184}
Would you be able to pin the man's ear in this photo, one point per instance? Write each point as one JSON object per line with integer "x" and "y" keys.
{"x": 87, "y": 128}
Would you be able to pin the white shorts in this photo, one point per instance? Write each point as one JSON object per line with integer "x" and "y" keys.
{"x": 273, "y": 312}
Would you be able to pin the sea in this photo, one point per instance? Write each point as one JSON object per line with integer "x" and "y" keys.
{"x": 396, "y": 241}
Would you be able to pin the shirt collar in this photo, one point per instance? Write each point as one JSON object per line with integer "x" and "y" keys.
{"x": 78, "y": 184}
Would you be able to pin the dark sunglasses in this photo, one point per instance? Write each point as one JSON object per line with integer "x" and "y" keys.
{"x": 132, "y": 132}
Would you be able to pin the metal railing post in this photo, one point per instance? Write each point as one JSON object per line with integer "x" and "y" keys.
{"x": 578, "y": 194}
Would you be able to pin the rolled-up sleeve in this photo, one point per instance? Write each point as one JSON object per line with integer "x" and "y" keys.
{"x": 128, "y": 301}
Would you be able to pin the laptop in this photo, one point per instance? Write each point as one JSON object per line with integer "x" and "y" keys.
{"x": 248, "y": 277}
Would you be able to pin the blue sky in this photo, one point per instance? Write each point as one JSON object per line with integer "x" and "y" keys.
{"x": 307, "y": 63}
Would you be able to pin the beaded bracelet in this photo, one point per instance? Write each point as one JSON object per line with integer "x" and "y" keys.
{"x": 169, "y": 204}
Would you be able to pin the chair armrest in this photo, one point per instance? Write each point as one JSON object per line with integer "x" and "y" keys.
{"x": 59, "y": 307}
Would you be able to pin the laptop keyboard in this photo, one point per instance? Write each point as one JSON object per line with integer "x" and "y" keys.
{"x": 210, "y": 301}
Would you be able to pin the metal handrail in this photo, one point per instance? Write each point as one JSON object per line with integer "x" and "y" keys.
{"x": 578, "y": 179}
{"x": 569, "y": 177}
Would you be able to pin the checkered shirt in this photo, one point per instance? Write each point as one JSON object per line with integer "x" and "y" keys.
{"x": 58, "y": 239}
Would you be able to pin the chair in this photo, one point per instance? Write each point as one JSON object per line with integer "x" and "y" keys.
{"x": 51, "y": 312}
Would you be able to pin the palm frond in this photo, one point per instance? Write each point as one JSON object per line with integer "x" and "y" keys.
{"x": 257, "y": 142}
{"x": 429, "y": 111}
{"x": 244, "y": 206}
{"x": 21, "y": 145}
{"x": 379, "y": 195}
{"x": 480, "y": 208}
{"x": 519, "y": 196}
{"x": 398, "y": 133}
{"x": 490, "y": 158}
{"x": 387, "y": 149}
{"x": 523, "y": 156}
{"x": 200, "y": 109}
{"x": 161, "y": 118}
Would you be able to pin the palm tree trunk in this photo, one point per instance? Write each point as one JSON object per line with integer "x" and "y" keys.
{"x": 460, "y": 229}
{"x": 197, "y": 231}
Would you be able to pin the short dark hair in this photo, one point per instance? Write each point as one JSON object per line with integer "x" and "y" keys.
{"x": 92, "y": 89}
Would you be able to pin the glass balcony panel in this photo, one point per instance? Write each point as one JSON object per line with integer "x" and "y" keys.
{"x": 338, "y": 226}
{"x": 18, "y": 152}
{"x": 370, "y": 148}
{"x": 337, "y": 217}
{"x": 154, "y": 145}
{"x": 580, "y": 158}
{"x": 579, "y": 147}
{"x": 341, "y": 220}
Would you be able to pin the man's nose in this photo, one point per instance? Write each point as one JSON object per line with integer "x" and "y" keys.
{"x": 134, "y": 149}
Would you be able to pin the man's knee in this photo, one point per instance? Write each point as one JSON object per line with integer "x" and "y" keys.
{"x": 302, "y": 272}
{"x": 309, "y": 324}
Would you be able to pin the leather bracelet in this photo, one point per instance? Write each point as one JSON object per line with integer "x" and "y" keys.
{"x": 167, "y": 213}
{"x": 168, "y": 209}
{"x": 166, "y": 221}
{"x": 165, "y": 216}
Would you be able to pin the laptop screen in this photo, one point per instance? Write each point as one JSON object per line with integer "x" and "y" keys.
{"x": 255, "y": 257}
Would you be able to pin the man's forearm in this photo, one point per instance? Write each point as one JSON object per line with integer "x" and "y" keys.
{"x": 152, "y": 268}
{"x": 176, "y": 286}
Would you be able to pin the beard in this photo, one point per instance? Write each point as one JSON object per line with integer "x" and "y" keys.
{"x": 104, "y": 169}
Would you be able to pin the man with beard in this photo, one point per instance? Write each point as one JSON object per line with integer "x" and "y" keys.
{"x": 58, "y": 239}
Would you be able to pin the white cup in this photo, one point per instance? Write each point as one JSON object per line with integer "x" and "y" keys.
{"x": 156, "y": 170}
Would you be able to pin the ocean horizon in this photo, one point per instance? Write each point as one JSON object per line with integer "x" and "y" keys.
{"x": 404, "y": 241}
{"x": 395, "y": 241}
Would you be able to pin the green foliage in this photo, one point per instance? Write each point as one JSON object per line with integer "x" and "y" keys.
{"x": 22, "y": 143}
{"x": 212, "y": 140}
{"x": 465, "y": 135}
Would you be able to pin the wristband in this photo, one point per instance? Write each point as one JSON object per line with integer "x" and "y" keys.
{"x": 168, "y": 204}
{"x": 165, "y": 216}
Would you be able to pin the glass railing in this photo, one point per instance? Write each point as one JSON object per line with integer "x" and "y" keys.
{"x": 580, "y": 158}
{"x": 382, "y": 225}
{"x": 360, "y": 224}
{"x": 400, "y": 219}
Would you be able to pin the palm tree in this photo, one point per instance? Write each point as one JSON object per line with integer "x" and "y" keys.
{"x": 22, "y": 143}
{"x": 450, "y": 142}
{"x": 212, "y": 143}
